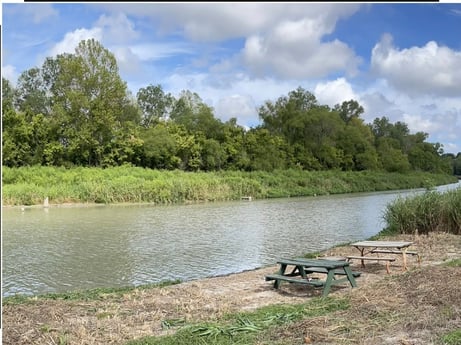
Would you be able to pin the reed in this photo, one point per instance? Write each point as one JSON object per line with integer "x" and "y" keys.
{"x": 126, "y": 184}
{"x": 431, "y": 211}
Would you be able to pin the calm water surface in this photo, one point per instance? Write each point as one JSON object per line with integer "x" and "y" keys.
{"x": 63, "y": 249}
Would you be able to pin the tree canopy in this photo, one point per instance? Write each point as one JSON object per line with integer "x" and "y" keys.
{"x": 75, "y": 110}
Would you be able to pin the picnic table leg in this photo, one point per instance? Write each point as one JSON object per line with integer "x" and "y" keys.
{"x": 328, "y": 282}
{"x": 282, "y": 269}
{"x": 362, "y": 250}
{"x": 350, "y": 276}
{"x": 404, "y": 257}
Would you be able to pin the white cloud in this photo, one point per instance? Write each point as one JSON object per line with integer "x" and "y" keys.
{"x": 284, "y": 39}
{"x": 442, "y": 127}
{"x": 128, "y": 62}
{"x": 221, "y": 21}
{"x": 335, "y": 92}
{"x": 9, "y": 72}
{"x": 156, "y": 51}
{"x": 39, "y": 13}
{"x": 430, "y": 70}
{"x": 241, "y": 107}
{"x": 72, "y": 39}
{"x": 117, "y": 29}
{"x": 293, "y": 49}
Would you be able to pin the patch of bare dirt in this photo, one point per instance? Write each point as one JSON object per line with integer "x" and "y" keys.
{"x": 402, "y": 308}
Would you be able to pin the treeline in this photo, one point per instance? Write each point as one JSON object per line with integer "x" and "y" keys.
{"x": 75, "y": 110}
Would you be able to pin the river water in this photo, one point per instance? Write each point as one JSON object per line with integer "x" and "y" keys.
{"x": 62, "y": 249}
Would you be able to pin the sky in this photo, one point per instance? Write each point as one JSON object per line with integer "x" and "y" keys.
{"x": 399, "y": 60}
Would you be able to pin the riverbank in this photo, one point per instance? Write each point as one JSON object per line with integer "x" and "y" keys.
{"x": 419, "y": 307}
{"x": 59, "y": 186}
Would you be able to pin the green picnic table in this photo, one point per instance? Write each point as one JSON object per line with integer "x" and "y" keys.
{"x": 337, "y": 272}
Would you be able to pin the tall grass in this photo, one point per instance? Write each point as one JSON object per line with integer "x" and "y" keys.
{"x": 431, "y": 211}
{"x": 31, "y": 185}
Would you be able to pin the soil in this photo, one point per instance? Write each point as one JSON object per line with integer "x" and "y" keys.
{"x": 414, "y": 307}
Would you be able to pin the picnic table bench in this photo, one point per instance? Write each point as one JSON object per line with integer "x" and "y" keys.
{"x": 303, "y": 268}
{"x": 383, "y": 247}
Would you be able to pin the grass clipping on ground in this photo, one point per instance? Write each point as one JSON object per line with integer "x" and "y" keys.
{"x": 415, "y": 307}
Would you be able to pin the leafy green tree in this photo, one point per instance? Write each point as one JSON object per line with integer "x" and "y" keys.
{"x": 160, "y": 147}
{"x": 191, "y": 112}
{"x": 8, "y": 92}
{"x": 89, "y": 99}
{"x": 31, "y": 95}
{"x": 425, "y": 157}
{"x": 265, "y": 151}
{"x": 311, "y": 129}
{"x": 154, "y": 104}
{"x": 357, "y": 143}
{"x": 349, "y": 110}
{"x": 233, "y": 143}
{"x": 15, "y": 139}
{"x": 285, "y": 116}
{"x": 391, "y": 156}
{"x": 213, "y": 156}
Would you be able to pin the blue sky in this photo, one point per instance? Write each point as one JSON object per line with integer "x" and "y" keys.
{"x": 402, "y": 61}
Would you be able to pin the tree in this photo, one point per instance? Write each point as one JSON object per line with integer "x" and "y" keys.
{"x": 160, "y": 147}
{"x": 89, "y": 101}
{"x": 357, "y": 143}
{"x": 15, "y": 139}
{"x": 190, "y": 111}
{"x": 391, "y": 156}
{"x": 349, "y": 110}
{"x": 284, "y": 117}
{"x": 425, "y": 157}
{"x": 154, "y": 104}
{"x": 8, "y": 92}
{"x": 31, "y": 96}
{"x": 265, "y": 151}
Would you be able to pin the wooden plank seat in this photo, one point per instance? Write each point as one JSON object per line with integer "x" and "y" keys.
{"x": 390, "y": 251}
{"x": 293, "y": 279}
{"x": 373, "y": 258}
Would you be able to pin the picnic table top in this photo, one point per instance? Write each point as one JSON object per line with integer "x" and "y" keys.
{"x": 314, "y": 262}
{"x": 382, "y": 244}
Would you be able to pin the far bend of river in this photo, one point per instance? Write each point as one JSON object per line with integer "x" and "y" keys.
{"x": 60, "y": 249}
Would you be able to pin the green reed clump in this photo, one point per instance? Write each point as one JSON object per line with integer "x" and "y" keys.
{"x": 431, "y": 211}
{"x": 125, "y": 184}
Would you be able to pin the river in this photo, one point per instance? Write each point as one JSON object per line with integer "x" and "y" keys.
{"x": 61, "y": 249}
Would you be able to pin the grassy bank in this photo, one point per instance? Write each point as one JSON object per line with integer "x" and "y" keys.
{"x": 31, "y": 185}
{"x": 431, "y": 211}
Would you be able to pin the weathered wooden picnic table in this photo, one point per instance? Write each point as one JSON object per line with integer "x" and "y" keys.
{"x": 336, "y": 272}
{"x": 383, "y": 247}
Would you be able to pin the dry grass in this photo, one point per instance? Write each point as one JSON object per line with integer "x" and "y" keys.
{"x": 403, "y": 308}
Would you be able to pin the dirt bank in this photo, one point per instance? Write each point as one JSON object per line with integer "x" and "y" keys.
{"x": 415, "y": 307}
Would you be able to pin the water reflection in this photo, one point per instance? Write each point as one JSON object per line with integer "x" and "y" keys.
{"x": 61, "y": 249}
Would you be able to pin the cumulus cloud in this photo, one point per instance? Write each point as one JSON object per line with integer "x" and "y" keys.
{"x": 117, "y": 28}
{"x": 72, "y": 39}
{"x": 442, "y": 127}
{"x": 430, "y": 70}
{"x": 241, "y": 107}
{"x": 9, "y": 72}
{"x": 286, "y": 40}
{"x": 222, "y": 21}
{"x": 335, "y": 92}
